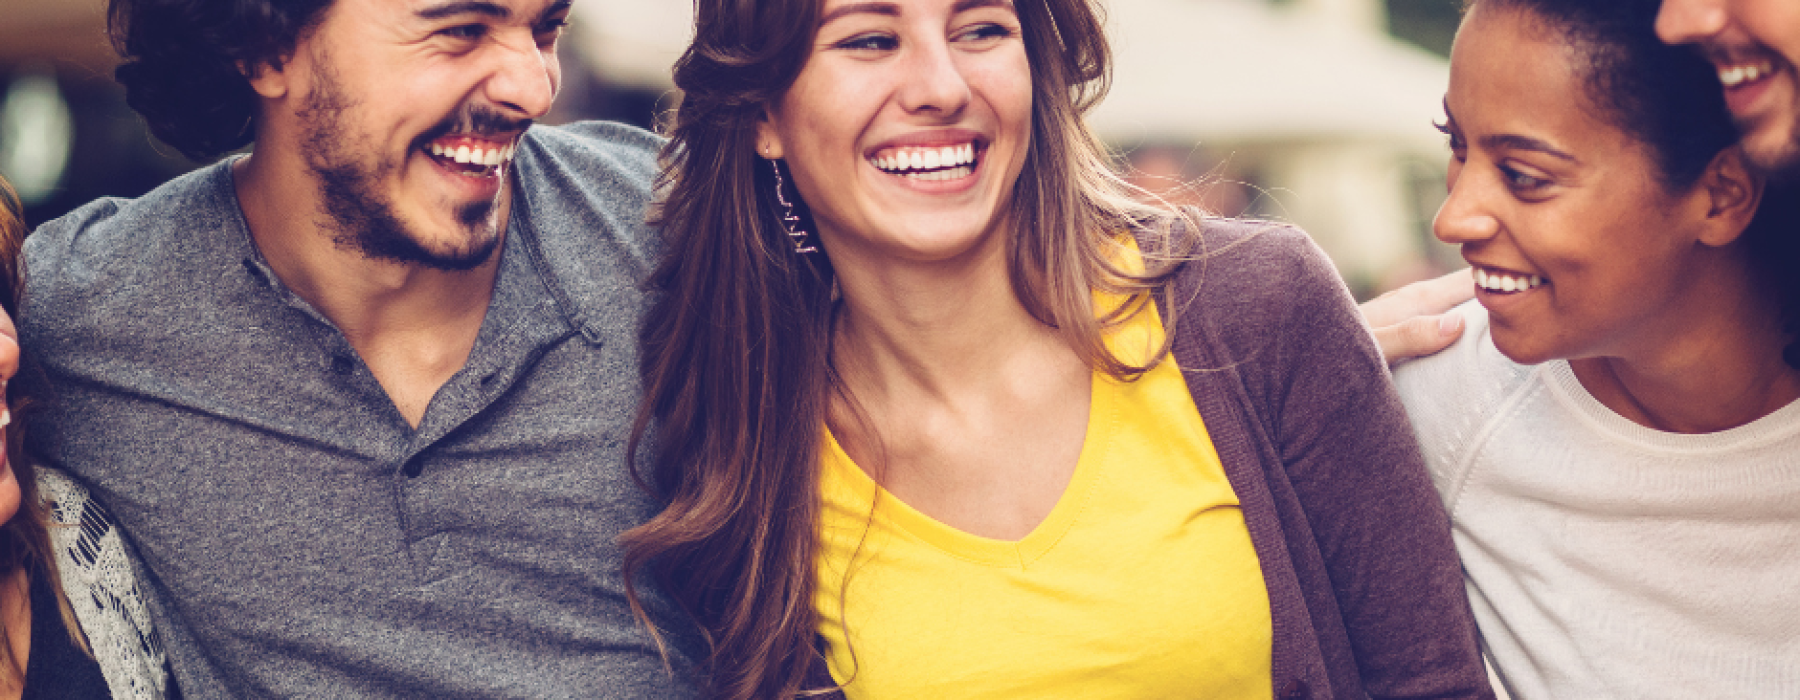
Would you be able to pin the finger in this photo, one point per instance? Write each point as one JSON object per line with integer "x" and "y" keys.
{"x": 1418, "y": 336}
{"x": 1433, "y": 296}
{"x": 1443, "y": 294}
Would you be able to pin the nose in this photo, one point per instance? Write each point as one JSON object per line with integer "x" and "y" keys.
{"x": 934, "y": 81}
{"x": 1684, "y": 21}
{"x": 526, "y": 77}
{"x": 1464, "y": 217}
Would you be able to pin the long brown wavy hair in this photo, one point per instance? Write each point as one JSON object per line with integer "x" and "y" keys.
{"x": 25, "y": 539}
{"x": 735, "y": 351}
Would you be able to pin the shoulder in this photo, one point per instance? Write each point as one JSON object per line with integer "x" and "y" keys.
{"x": 1445, "y": 379}
{"x": 113, "y": 234}
{"x": 1250, "y": 281}
{"x": 1450, "y": 396}
{"x": 1264, "y": 259}
{"x": 114, "y": 254}
{"x": 586, "y": 190}
{"x": 603, "y": 159}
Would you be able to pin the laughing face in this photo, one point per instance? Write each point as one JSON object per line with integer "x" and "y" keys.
{"x": 409, "y": 114}
{"x": 1579, "y": 249}
{"x": 1755, "y": 44}
{"x": 907, "y": 127}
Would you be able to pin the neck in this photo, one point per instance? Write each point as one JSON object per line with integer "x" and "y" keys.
{"x": 938, "y": 328}
{"x": 1713, "y": 363}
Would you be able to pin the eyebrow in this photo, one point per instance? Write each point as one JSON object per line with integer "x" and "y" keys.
{"x": 892, "y": 10}
{"x": 1496, "y": 142}
{"x": 465, "y": 7}
{"x": 485, "y": 8}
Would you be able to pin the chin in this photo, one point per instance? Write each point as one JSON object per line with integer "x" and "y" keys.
{"x": 1520, "y": 348}
{"x": 1774, "y": 149}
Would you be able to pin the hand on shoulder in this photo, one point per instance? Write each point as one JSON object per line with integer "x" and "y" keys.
{"x": 1415, "y": 320}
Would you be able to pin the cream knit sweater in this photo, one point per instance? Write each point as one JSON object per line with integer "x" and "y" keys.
{"x": 1605, "y": 559}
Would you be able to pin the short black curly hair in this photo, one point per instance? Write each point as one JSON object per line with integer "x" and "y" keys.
{"x": 182, "y": 58}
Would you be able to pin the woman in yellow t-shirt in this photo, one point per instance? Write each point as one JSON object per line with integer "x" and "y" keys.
{"x": 928, "y": 424}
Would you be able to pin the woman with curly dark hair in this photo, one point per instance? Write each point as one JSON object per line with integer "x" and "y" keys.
{"x": 72, "y": 622}
{"x": 1617, "y": 435}
{"x": 940, "y": 410}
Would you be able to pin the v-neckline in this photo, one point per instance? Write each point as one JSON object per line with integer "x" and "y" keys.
{"x": 1020, "y": 553}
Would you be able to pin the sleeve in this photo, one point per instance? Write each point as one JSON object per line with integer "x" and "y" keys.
{"x": 1348, "y": 452}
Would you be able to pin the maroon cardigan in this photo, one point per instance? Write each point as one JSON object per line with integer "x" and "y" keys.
{"x": 1365, "y": 592}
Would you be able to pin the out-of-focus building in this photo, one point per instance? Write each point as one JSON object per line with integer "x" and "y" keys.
{"x": 1304, "y": 111}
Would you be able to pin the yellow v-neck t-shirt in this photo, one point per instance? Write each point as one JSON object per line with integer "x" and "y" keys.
{"x": 1141, "y": 583}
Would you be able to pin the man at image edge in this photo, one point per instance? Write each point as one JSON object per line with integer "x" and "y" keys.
{"x": 1755, "y": 44}
{"x": 359, "y": 397}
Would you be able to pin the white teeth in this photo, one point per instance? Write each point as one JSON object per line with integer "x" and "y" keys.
{"x": 1497, "y": 282}
{"x": 945, "y": 174}
{"x": 485, "y": 157}
{"x": 900, "y": 160}
{"x": 1738, "y": 75}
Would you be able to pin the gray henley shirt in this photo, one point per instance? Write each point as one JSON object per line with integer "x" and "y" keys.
{"x": 298, "y": 538}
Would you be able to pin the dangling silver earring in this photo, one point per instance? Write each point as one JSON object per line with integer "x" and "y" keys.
{"x": 789, "y": 221}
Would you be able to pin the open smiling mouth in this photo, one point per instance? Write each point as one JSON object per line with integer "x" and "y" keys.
{"x": 929, "y": 163}
{"x": 1739, "y": 75}
{"x": 471, "y": 157}
{"x": 1505, "y": 282}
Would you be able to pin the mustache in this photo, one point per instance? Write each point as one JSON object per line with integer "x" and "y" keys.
{"x": 474, "y": 119}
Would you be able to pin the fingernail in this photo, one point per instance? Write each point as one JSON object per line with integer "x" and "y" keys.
{"x": 1449, "y": 324}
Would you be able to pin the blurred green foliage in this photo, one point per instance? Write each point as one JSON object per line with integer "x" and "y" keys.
{"x": 1428, "y": 23}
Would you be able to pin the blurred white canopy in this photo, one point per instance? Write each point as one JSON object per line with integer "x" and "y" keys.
{"x": 634, "y": 42}
{"x": 1246, "y": 71}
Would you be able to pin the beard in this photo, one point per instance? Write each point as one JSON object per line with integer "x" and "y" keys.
{"x": 1786, "y": 170}
{"x": 359, "y": 216}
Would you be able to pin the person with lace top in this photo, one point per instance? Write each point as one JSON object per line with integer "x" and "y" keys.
{"x": 73, "y": 622}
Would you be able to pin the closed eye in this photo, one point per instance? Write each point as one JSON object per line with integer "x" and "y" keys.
{"x": 465, "y": 32}
{"x": 548, "y": 31}
{"x": 1521, "y": 181}
{"x": 873, "y": 41}
{"x": 986, "y": 32}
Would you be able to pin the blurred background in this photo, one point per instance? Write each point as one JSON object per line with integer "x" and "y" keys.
{"x": 1316, "y": 112}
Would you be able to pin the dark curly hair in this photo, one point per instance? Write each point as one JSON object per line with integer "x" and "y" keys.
{"x": 184, "y": 63}
{"x": 1669, "y": 98}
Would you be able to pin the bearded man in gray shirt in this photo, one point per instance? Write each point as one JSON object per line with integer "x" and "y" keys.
{"x": 359, "y": 397}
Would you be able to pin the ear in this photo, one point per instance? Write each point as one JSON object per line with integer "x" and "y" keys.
{"x": 268, "y": 78}
{"x": 1732, "y": 191}
{"x": 768, "y": 140}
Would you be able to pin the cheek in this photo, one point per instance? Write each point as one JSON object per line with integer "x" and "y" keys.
{"x": 1005, "y": 83}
